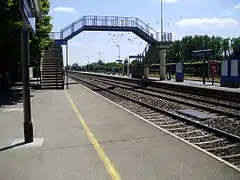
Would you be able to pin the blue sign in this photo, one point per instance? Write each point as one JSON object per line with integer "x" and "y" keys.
{"x": 179, "y": 72}
{"x": 60, "y": 42}
{"x": 230, "y": 73}
{"x": 119, "y": 61}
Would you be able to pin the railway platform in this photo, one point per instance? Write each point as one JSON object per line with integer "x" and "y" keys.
{"x": 187, "y": 84}
{"x": 81, "y": 135}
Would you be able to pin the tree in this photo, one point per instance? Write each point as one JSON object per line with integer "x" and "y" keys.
{"x": 11, "y": 23}
{"x": 10, "y": 36}
{"x": 182, "y": 49}
{"x": 41, "y": 41}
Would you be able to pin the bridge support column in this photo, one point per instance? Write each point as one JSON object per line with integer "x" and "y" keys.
{"x": 128, "y": 70}
{"x": 162, "y": 57}
{"x": 146, "y": 72}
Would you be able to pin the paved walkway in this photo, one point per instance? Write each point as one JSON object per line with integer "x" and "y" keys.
{"x": 80, "y": 135}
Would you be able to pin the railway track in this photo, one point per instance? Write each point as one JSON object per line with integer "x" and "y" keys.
{"x": 222, "y": 101}
{"x": 227, "y": 119}
{"x": 207, "y": 94}
{"x": 223, "y": 107}
{"x": 221, "y": 143}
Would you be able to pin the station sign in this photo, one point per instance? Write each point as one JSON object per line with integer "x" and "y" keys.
{"x": 213, "y": 69}
{"x": 60, "y": 42}
{"x": 135, "y": 57}
{"x": 119, "y": 61}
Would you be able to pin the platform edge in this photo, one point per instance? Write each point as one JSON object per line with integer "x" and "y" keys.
{"x": 171, "y": 134}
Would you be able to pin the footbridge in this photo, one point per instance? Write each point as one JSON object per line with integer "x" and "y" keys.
{"x": 157, "y": 42}
{"x": 113, "y": 23}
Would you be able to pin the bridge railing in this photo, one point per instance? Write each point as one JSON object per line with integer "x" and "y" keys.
{"x": 164, "y": 37}
{"x": 145, "y": 50}
{"x": 55, "y": 35}
{"x": 113, "y": 21}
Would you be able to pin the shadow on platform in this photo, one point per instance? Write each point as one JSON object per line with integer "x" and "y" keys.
{"x": 11, "y": 96}
{"x": 12, "y": 146}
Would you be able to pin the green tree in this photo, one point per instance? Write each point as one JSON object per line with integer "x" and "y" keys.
{"x": 181, "y": 50}
{"x": 41, "y": 41}
{"x": 10, "y": 36}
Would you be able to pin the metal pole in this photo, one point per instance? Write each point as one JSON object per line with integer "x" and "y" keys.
{"x": 119, "y": 53}
{"x": 161, "y": 20}
{"x": 204, "y": 71}
{"x": 67, "y": 64}
{"x": 28, "y": 127}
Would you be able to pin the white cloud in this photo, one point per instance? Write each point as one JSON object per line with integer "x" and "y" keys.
{"x": 63, "y": 9}
{"x": 237, "y": 6}
{"x": 208, "y": 23}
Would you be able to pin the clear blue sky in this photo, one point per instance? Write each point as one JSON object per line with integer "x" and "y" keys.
{"x": 181, "y": 17}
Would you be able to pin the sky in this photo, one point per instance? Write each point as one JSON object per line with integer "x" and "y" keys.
{"x": 180, "y": 17}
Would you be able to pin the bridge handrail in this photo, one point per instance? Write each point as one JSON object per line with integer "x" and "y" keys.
{"x": 111, "y": 21}
{"x": 55, "y": 35}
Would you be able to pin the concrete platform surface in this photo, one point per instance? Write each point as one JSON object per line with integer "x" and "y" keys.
{"x": 136, "y": 149}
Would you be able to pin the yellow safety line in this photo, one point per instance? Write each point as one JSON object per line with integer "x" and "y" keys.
{"x": 107, "y": 163}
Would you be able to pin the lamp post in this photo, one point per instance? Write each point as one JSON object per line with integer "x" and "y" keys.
{"x": 99, "y": 57}
{"x": 161, "y": 20}
{"x": 87, "y": 63}
{"x": 27, "y": 12}
{"x": 119, "y": 58}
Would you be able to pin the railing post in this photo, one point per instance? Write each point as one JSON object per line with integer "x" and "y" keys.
{"x": 106, "y": 21}
{"x": 61, "y": 34}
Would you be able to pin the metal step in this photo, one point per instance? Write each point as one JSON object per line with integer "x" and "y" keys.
{"x": 52, "y": 87}
{"x": 51, "y": 84}
{"x": 54, "y": 69}
{"x": 52, "y": 80}
{"x": 52, "y": 64}
{"x": 53, "y": 53}
{"x": 52, "y": 60}
{"x": 52, "y": 75}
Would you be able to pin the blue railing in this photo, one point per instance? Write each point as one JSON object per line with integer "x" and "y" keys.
{"x": 111, "y": 21}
